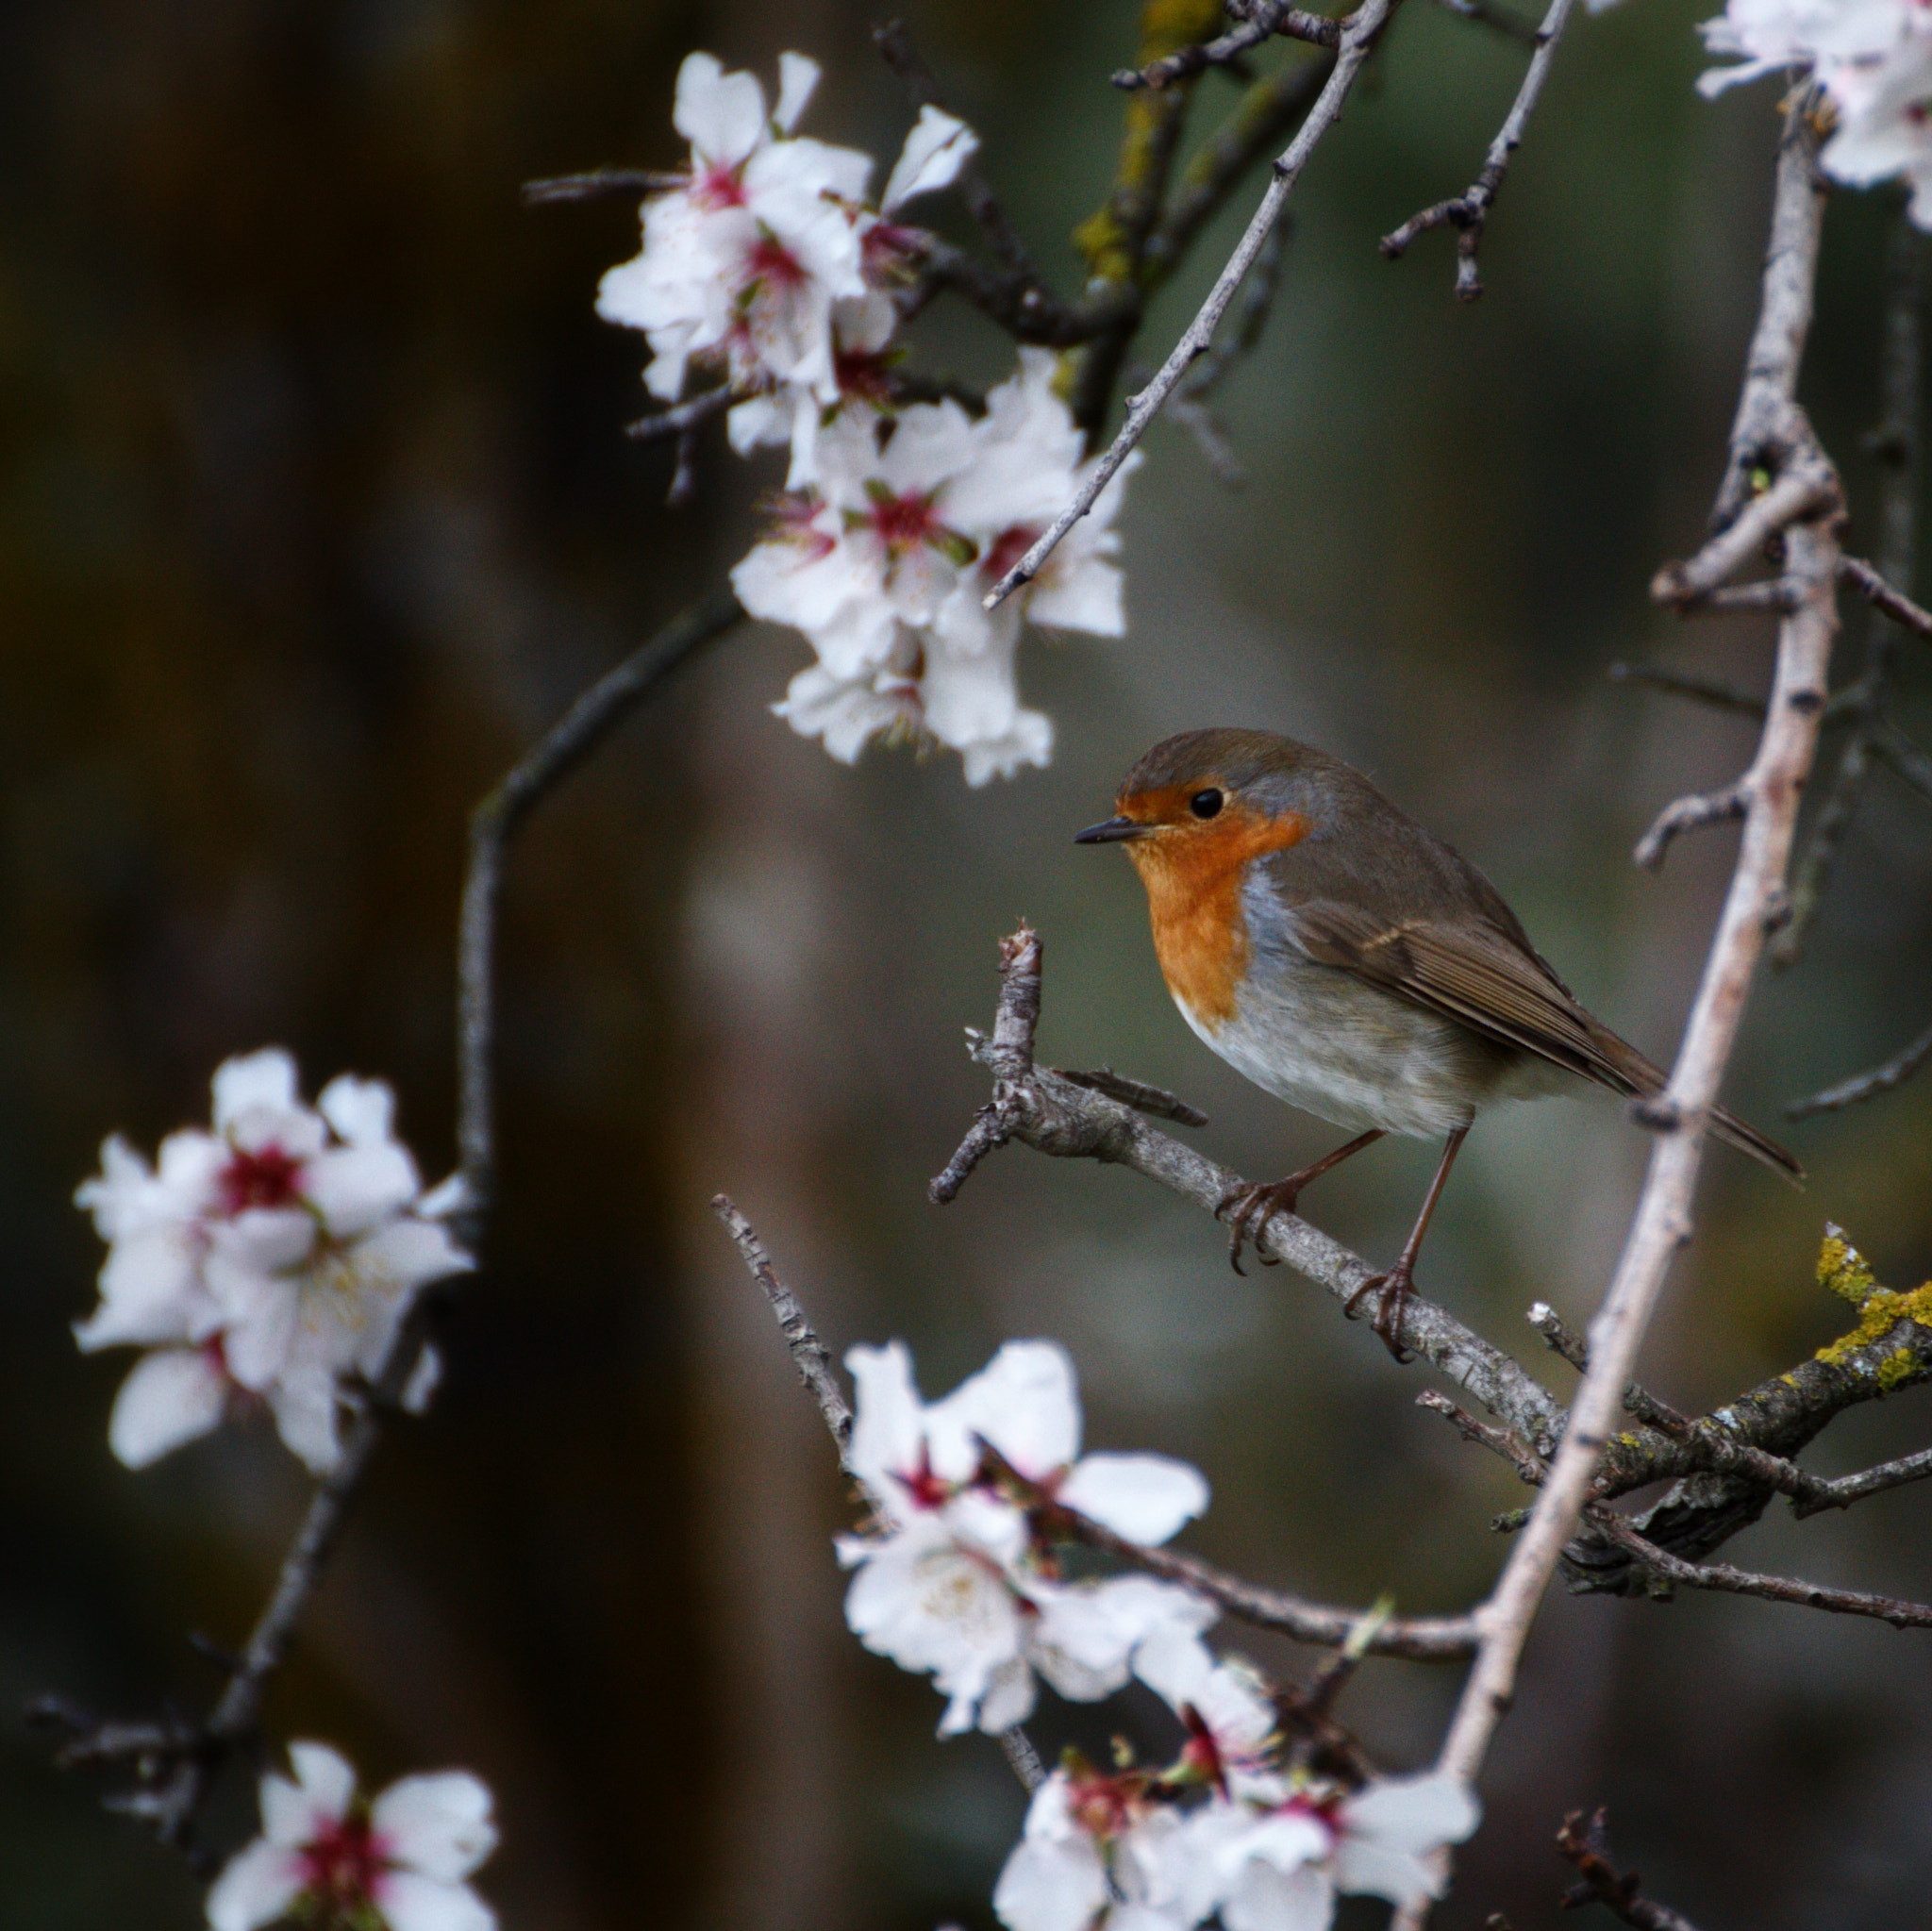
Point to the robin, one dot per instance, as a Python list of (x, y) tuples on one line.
[(1348, 961)]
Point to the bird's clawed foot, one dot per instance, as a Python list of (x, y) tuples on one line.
[(1391, 1290), (1248, 1209)]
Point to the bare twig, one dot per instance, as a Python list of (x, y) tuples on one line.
[(598, 183), (1023, 1758), (1468, 212), (1588, 1847), (1901, 610), (1359, 33), (1270, 18), (1420, 1638), (1896, 440), (1772, 1589), (1155, 1100), (809, 1355), (497, 820), (1560, 1338), (1850, 1489), (1529, 1466), (1662, 1220), (1689, 814), (1683, 684), (1866, 1086), (682, 418), (1902, 756)]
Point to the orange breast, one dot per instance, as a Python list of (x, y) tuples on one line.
[(1194, 880)]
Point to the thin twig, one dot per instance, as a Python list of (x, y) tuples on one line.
[(1849, 1489), (1901, 610), (1689, 814), (1529, 1466), (1270, 18), (598, 183), (1420, 1638), (1662, 1220), (1793, 497), (1588, 1847), (683, 417), (1359, 33), (1469, 212), (1155, 1100), (1866, 1086), (809, 1355), (1683, 684), (1721, 1576)]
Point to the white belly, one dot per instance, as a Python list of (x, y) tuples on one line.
[(1323, 1041)]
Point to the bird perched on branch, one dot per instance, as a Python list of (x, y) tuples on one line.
[(1348, 961)]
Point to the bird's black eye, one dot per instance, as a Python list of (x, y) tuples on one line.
[(1204, 804)]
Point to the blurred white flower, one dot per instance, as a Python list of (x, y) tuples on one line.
[(267, 1258), (1885, 121), (328, 1856), (1100, 1851), (883, 562), (1228, 1711), (952, 1586), (1280, 1868)]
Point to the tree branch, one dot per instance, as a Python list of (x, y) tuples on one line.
[(1866, 1086), (1469, 212), (1271, 18), (1359, 33), (1588, 1847)]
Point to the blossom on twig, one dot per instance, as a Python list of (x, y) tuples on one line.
[(330, 1858), (884, 561), (954, 1583), (270, 1259)]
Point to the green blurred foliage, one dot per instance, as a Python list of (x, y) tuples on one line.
[(314, 508)]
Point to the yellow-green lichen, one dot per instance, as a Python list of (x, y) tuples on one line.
[(1897, 1368), (1882, 1309), (1842, 1269)]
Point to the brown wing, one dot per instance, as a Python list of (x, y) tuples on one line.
[(1479, 976)]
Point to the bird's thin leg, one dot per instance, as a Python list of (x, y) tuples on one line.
[(1395, 1285), (1249, 1209)]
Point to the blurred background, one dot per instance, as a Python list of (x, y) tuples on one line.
[(315, 509)]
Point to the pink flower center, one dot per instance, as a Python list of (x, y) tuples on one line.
[(1006, 549), (1105, 1807), (885, 249), (771, 263), (1202, 1751), (267, 1178), (863, 373), (344, 1863), (718, 187), (923, 1489), (1327, 1814), (902, 522)]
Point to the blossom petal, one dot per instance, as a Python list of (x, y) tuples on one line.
[(438, 1824), (410, 1902), (1144, 1497), (362, 1112), (1022, 1401), (170, 1398), (936, 149), (797, 77), (722, 115), (257, 1886), (1417, 1813), (326, 1778), (354, 1188), (303, 1401), (1053, 1880), (1264, 1898), (264, 1080)]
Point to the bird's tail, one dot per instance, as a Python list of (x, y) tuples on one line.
[(1632, 1074)]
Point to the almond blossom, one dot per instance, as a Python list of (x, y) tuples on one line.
[(1100, 1850), (264, 1262), (745, 261), (1279, 1868), (952, 1585), (883, 564), (328, 1856), (1227, 1709), (1873, 60)]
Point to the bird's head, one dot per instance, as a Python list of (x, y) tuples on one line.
[(1207, 801)]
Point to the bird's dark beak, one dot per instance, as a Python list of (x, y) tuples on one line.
[(1112, 832)]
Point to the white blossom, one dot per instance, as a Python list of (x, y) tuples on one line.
[(264, 1261), (883, 564), (952, 1586), (1098, 1851), (399, 1862), (1279, 1868), (1227, 1708)]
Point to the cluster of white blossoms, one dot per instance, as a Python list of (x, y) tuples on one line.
[(957, 1579), (270, 1260), (327, 1856), (1872, 59), (766, 268)]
